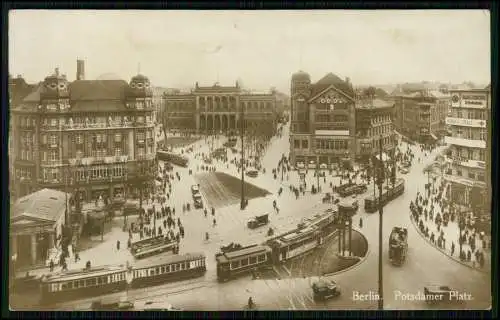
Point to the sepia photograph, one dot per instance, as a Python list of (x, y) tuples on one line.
[(244, 160)]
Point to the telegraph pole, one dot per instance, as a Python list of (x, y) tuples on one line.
[(380, 181), (242, 133)]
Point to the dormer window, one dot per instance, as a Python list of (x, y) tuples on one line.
[(52, 85), (62, 86), (140, 85), (132, 85)]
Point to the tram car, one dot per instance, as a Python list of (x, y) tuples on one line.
[(295, 243), (95, 281), (371, 202), (168, 268), (240, 261), (75, 284), (150, 247)]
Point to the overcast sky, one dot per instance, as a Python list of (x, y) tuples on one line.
[(262, 48)]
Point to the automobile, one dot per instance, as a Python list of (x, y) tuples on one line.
[(252, 173), (438, 293), (312, 164), (198, 203), (123, 304), (159, 306), (300, 165), (323, 166), (325, 289), (404, 170), (195, 189)]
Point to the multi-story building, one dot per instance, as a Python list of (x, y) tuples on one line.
[(94, 136), (218, 108), (374, 121), (468, 162), (322, 120), (421, 115)]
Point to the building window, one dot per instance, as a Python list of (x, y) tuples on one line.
[(79, 139), (53, 122), (459, 172), (482, 135), (79, 154), (305, 144), (118, 137), (53, 155), (140, 151), (140, 136), (296, 144), (482, 155), (480, 177), (459, 132), (471, 175), (53, 139), (118, 151)]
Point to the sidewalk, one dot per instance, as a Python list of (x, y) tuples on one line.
[(451, 235)]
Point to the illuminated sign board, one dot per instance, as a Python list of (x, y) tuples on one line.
[(469, 100), (475, 123)]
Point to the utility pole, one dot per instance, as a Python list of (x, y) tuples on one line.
[(380, 181), (242, 132)]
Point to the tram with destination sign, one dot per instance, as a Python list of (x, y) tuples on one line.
[(295, 243), (241, 260), (390, 193), (94, 281)]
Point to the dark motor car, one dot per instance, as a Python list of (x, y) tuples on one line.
[(325, 289)]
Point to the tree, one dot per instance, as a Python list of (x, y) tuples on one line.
[(369, 92)]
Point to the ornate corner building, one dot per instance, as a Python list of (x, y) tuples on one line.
[(468, 162), (218, 108), (322, 120), (94, 137)]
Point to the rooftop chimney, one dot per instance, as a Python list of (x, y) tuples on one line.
[(80, 69)]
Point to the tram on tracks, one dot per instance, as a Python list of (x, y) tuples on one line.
[(94, 281), (241, 261), (173, 158), (295, 243), (389, 194), (154, 246)]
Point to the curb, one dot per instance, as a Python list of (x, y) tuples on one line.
[(356, 264), (443, 252)]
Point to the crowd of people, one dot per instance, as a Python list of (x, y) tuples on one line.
[(433, 213)]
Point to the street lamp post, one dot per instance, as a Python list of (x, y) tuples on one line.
[(242, 132), (380, 181)]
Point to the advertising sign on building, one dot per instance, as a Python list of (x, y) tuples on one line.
[(469, 100), (475, 123)]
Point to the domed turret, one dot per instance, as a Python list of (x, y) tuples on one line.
[(140, 86), (301, 76), (55, 86)]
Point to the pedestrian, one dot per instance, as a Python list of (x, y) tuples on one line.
[(215, 222), (118, 245), (51, 265)]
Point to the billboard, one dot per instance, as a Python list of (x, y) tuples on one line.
[(469, 100)]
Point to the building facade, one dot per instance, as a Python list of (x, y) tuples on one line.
[(219, 109), (374, 121), (322, 120), (421, 115), (36, 221), (93, 136), (468, 161)]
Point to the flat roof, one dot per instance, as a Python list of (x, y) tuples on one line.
[(245, 251)]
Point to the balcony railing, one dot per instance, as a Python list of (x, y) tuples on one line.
[(90, 126)]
